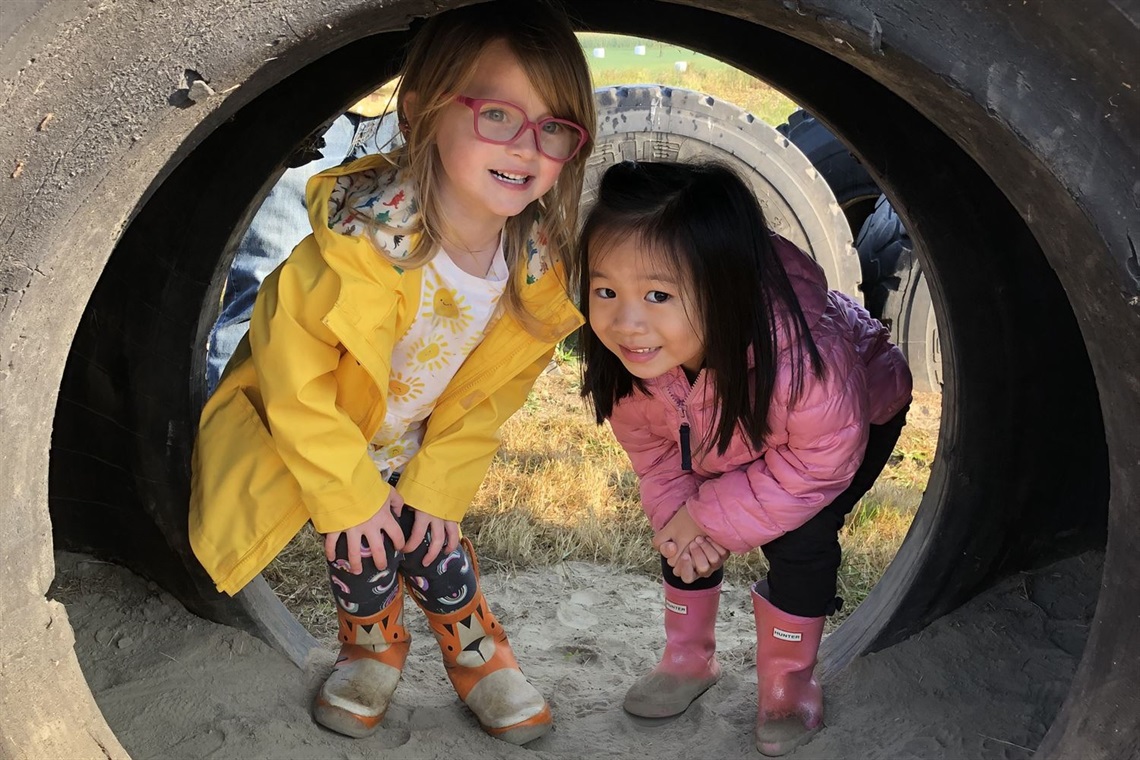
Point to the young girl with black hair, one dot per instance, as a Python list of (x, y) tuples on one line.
[(756, 407), (392, 344)]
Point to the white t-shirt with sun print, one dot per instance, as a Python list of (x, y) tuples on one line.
[(455, 311)]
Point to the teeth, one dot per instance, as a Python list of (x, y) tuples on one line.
[(641, 350), (517, 179)]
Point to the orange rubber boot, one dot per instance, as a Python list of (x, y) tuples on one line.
[(356, 694), (688, 666), (485, 673), (790, 700)]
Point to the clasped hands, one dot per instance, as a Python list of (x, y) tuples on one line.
[(684, 545), (444, 535)]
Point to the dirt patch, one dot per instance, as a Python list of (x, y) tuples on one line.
[(982, 682)]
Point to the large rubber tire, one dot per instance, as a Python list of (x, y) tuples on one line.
[(896, 293), (131, 186), (657, 123), (854, 188), (910, 311), (892, 283)]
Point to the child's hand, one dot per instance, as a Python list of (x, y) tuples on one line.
[(681, 530), (700, 559), (373, 529), (438, 530)]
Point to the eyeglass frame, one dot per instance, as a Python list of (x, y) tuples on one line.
[(476, 103)]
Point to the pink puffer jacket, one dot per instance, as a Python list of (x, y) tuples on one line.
[(746, 498)]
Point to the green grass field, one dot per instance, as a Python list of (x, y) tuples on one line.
[(658, 55), (703, 74)]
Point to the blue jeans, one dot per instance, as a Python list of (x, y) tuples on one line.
[(279, 225)]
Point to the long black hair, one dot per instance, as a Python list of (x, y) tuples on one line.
[(707, 225)]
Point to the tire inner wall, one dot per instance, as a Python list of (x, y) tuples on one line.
[(1113, 350), (124, 369)]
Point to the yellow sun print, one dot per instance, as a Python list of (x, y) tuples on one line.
[(447, 307), (445, 304), (387, 432), (404, 388), (431, 352), (471, 344)]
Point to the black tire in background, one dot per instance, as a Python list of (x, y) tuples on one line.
[(892, 282), (1041, 154), (896, 293), (854, 188), (910, 311)]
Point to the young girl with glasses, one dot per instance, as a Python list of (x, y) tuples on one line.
[(388, 349), (756, 407)]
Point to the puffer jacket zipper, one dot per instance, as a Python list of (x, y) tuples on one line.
[(685, 431)]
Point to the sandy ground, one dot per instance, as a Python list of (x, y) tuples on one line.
[(982, 682)]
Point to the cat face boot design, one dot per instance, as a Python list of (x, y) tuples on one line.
[(789, 700), (688, 667), (483, 669), (356, 694)]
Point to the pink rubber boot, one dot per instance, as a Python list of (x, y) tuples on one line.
[(790, 700), (688, 667)]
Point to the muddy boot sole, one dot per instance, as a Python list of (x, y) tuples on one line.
[(663, 696), (527, 731), (343, 722), (779, 737)]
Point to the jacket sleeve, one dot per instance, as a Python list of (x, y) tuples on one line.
[(295, 356), (442, 477), (657, 461), (826, 438), (889, 381)]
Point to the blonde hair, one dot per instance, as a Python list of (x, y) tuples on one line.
[(440, 62)]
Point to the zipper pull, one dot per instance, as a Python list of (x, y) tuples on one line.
[(686, 453)]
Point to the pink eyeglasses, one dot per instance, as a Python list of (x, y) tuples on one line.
[(501, 123)]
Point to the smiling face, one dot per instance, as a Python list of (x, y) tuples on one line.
[(481, 183), (641, 312)]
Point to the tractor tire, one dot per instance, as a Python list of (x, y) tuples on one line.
[(138, 134), (896, 293), (910, 314), (658, 123), (854, 188)]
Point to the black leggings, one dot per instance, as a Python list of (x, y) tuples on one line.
[(444, 586), (802, 563)]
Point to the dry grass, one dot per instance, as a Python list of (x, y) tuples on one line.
[(561, 489)]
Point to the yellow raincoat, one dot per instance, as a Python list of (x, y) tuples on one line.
[(284, 439)]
